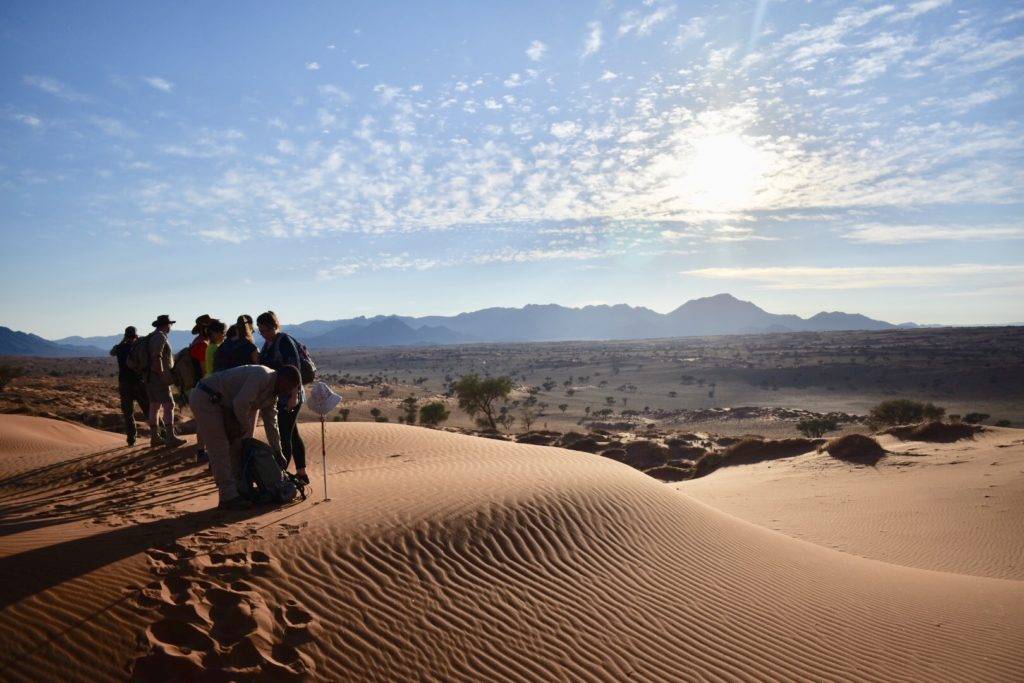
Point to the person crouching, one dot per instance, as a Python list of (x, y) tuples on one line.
[(227, 400)]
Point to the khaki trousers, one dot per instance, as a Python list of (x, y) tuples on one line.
[(224, 458)]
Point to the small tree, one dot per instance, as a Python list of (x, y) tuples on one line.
[(344, 414), (434, 413), (478, 397), (563, 406), (375, 413), (814, 427), (409, 407), (976, 418), (8, 373), (527, 416)]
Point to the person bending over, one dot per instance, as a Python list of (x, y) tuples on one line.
[(226, 400)]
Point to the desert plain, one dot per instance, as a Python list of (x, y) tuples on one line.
[(446, 554)]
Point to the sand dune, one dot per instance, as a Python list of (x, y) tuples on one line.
[(449, 557), (956, 507)]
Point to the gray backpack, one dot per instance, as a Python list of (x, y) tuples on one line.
[(263, 480)]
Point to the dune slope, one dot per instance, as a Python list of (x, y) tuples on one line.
[(956, 507), (449, 557)]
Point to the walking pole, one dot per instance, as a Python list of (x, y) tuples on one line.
[(322, 400), (323, 449)]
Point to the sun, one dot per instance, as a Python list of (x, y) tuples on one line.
[(722, 172)]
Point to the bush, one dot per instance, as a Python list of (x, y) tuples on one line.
[(8, 373), (477, 397), (855, 448), (935, 432), (434, 413), (813, 427), (902, 411), (975, 418), (1002, 423), (751, 451)]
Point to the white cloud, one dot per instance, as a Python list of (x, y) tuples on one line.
[(642, 24), (905, 234), (29, 120), (158, 83), (918, 8), (56, 88), (313, 66), (286, 147), (112, 127), (491, 103), (594, 35), (565, 129), (731, 233), (692, 30), (223, 235), (154, 238), (863, 277), (536, 51), (609, 76)]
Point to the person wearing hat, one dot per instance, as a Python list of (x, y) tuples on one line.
[(197, 352), (130, 388), (226, 401), (158, 384)]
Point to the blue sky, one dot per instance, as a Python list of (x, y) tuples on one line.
[(327, 160)]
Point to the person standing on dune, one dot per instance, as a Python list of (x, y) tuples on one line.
[(158, 384), (226, 401), (130, 388), (197, 353), (280, 350)]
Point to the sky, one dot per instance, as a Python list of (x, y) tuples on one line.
[(329, 160)]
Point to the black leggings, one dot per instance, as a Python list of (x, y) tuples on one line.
[(291, 442)]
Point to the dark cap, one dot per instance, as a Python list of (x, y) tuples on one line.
[(162, 320), (290, 375), (201, 322), (130, 331)]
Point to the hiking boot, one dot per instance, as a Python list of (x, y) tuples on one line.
[(156, 442), (131, 441), (174, 441), (202, 457), (234, 504)]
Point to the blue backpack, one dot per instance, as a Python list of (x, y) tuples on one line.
[(263, 479)]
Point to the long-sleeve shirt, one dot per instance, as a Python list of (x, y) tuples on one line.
[(248, 391), (160, 359)]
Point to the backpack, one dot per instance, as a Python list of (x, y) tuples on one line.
[(307, 368), (185, 370), (263, 480), (138, 356)]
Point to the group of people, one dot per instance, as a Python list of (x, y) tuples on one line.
[(238, 383)]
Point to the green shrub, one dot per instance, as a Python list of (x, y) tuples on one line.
[(434, 413), (902, 411), (814, 427)]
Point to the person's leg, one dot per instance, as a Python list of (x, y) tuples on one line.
[(286, 425), (210, 423), (128, 412), (170, 437), (154, 415), (298, 446)]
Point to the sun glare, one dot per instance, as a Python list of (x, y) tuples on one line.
[(723, 172)]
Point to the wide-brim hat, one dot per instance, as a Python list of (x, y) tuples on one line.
[(163, 320), (201, 322)]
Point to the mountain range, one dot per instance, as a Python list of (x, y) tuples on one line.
[(714, 315)]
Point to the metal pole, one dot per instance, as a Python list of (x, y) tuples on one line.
[(323, 449)]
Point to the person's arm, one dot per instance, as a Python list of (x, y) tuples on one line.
[(255, 356), (290, 352), (113, 351), (211, 351), (244, 406), (269, 415)]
